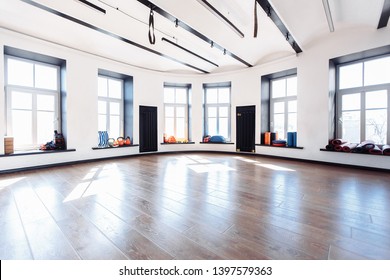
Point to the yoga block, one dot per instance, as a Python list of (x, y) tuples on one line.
[(8, 145)]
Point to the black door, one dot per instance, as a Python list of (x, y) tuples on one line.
[(147, 129), (246, 128)]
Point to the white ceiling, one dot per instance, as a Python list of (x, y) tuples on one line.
[(128, 19)]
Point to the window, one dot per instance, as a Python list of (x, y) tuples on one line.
[(33, 101), (217, 110), (110, 106), (283, 105), (176, 112), (363, 96)]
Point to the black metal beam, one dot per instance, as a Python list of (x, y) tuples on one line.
[(278, 22), (384, 19), (113, 35), (214, 10), (187, 50), (93, 6), (188, 28)]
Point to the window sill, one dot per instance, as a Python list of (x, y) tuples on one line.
[(223, 143), (341, 152), (284, 147), (37, 152), (177, 143), (106, 148)]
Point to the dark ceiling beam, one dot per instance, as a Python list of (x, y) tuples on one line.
[(225, 20), (269, 10), (93, 6), (384, 19), (188, 28), (113, 35)]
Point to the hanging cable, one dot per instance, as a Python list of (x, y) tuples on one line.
[(256, 24), (152, 37)]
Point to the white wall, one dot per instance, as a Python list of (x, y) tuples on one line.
[(82, 69)]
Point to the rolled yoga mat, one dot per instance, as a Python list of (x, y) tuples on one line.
[(365, 146), (375, 151), (386, 150), (338, 142), (349, 147)]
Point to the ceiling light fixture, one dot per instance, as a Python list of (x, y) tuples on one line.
[(217, 13), (328, 15)]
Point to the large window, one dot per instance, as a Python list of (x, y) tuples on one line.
[(110, 106), (217, 110), (176, 112), (33, 99), (283, 105), (363, 97)]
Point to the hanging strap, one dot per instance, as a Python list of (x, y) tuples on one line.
[(152, 37), (256, 24)]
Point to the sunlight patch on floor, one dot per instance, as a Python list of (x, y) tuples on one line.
[(8, 182), (206, 168)]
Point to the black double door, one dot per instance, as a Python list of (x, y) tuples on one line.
[(147, 129), (245, 128)]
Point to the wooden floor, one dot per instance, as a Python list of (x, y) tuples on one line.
[(195, 206)]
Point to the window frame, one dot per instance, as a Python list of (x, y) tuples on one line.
[(110, 100), (175, 105), (217, 106), (285, 99), (34, 91), (362, 90)]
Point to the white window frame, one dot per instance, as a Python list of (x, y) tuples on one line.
[(362, 90), (208, 105), (285, 99), (175, 106), (10, 88), (110, 100)]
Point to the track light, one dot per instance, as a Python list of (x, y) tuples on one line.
[(176, 23), (212, 44), (224, 51), (328, 15)]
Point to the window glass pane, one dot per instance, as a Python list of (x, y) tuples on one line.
[(279, 125), (169, 111), (224, 95), (292, 106), (212, 112), (279, 107), (351, 126), (223, 112), (180, 128), (212, 126), (45, 102), (169, 126), (169, 95), (114, 88), (114, 127), (45, 127), (46, 77), (102, 125), (376, 125), (21, 100), (102, 107), (224, 127), (278, 88), (212, 95), (292, 86), (377, 71), (181, 95), (292, 122), (376, 99), (180, 112), (22, 127), (102, 86), (351, 76), (114, 108), (20, 72), (351, 102)]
